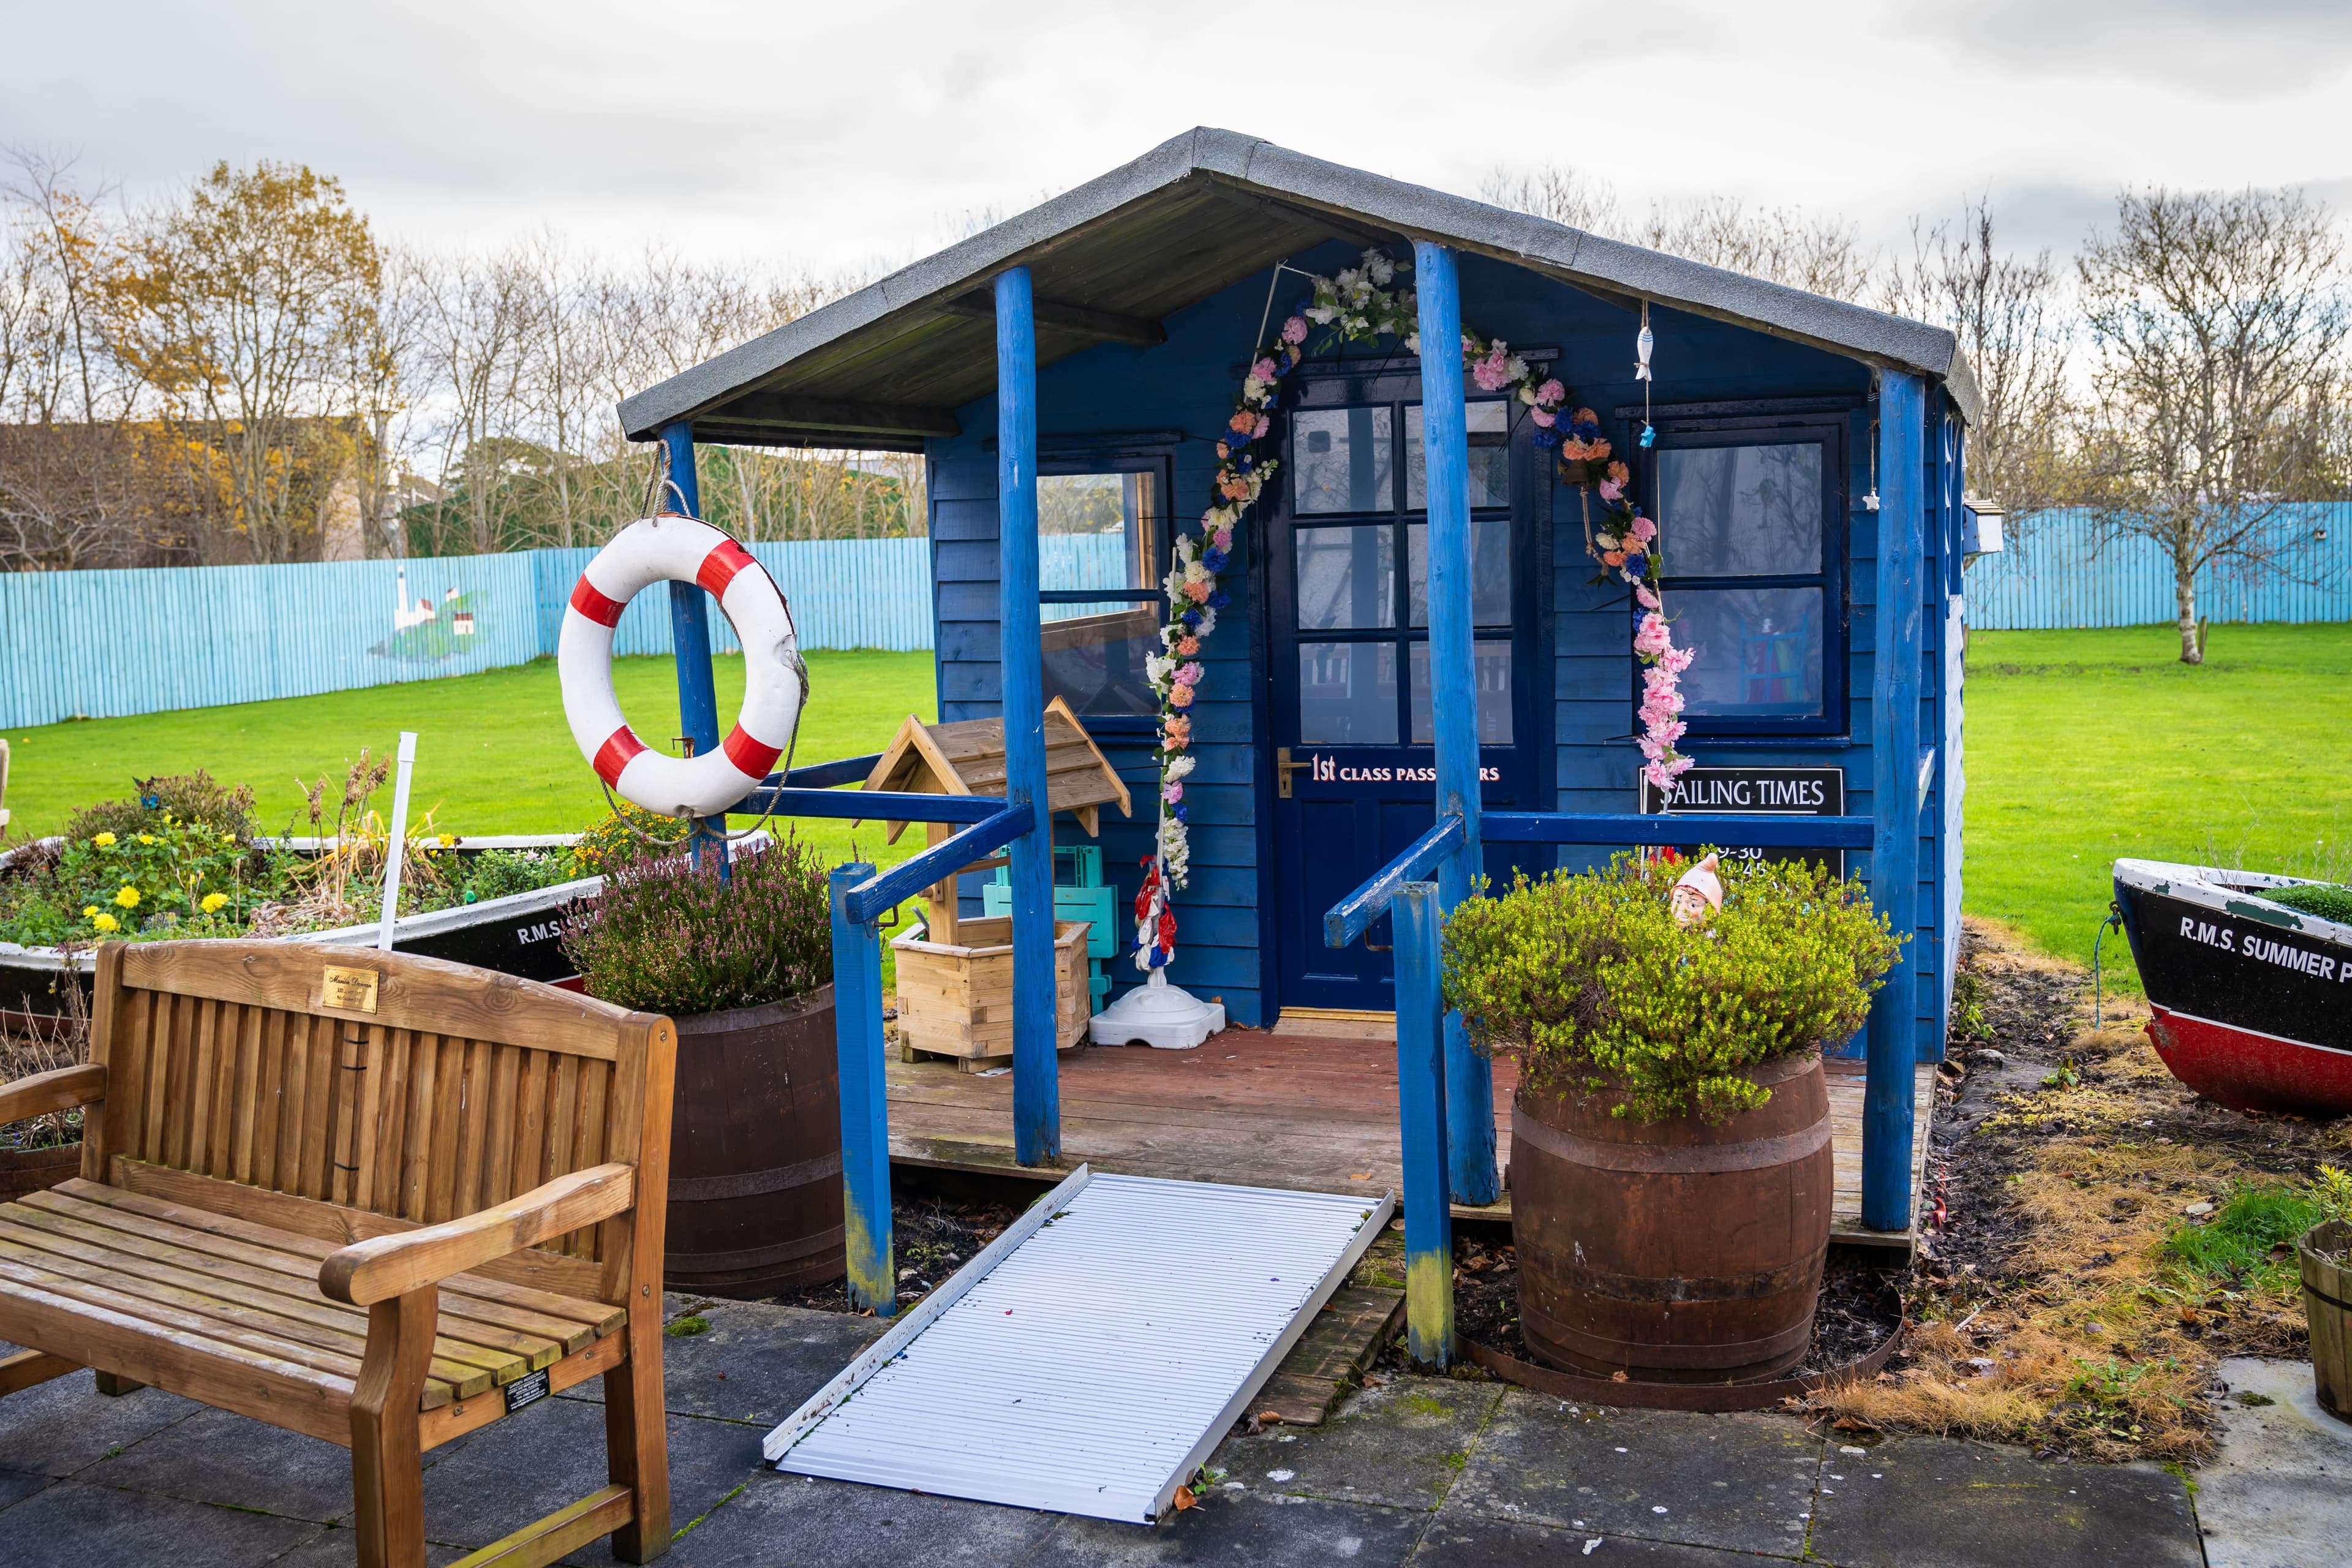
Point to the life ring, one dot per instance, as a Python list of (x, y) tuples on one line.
[(679, 549)]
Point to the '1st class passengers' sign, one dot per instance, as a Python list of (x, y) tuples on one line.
[(1757, 792)]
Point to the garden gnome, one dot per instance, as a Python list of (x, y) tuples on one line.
[(1698, 894)]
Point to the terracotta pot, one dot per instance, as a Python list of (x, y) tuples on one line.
[(755, 1151), (1673, 1251), (24, 1170)]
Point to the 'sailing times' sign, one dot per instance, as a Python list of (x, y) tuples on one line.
[(1757, 792)]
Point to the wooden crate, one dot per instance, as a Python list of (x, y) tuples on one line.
[(955, 999)]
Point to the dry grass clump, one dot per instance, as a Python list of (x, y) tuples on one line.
[(2067, 1304)]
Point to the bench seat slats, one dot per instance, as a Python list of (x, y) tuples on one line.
[(259, 1287)]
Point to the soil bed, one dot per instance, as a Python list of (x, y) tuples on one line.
[(931, 1238)]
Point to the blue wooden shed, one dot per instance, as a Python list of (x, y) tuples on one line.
[(1404, 578)]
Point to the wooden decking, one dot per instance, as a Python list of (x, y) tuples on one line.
[(1314, 1112)]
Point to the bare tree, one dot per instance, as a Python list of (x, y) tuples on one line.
[(1557, 195), (2219, 324), (1786, 245), (2012, 326), (479, 314)]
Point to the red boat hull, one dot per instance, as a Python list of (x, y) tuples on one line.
[(2247, 1071)]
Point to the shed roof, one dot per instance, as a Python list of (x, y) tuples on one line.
[(886, 367)]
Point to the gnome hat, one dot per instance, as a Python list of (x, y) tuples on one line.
[(1704, 883)]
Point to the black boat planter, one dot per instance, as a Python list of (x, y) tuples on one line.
[(2252, 1000), (513, 935)]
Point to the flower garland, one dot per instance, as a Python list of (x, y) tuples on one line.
[(1359, 305)]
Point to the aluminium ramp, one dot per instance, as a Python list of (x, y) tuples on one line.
[(1094, 1354)]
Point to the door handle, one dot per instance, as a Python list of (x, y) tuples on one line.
[(1284, 767)]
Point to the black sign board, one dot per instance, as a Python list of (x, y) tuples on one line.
[(528, 1389), (1757, 792)]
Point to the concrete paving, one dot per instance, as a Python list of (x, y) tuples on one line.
[(2280, 1493), (1420, 1470)]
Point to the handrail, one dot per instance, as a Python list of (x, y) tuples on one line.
[(1628, 828), (865, 902), (1348, 919), (824, 775), (878, 805)]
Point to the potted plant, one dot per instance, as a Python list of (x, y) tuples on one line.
[(742, 961), (2325, 1253), (1671, 1170)]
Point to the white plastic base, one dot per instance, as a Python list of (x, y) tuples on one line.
[(1166, 1017)]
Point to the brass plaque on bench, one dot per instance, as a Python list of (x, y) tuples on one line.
[(352, 990)]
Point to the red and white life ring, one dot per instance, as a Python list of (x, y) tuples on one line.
[(680, 549)]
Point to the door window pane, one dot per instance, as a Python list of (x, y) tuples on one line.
[(1344, 458), (1347, 693), (1741, 511), (1346, 577), (1490, 571), (1490, 455), (1493, 665), (1757, 650)]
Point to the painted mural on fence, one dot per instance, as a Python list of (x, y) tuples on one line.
[(431, 632)]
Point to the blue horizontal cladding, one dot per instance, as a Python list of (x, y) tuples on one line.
[(2057, 572), (106, 644)]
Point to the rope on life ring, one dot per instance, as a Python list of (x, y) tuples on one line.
[(669, 547)]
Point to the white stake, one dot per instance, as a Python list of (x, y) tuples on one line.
[(399, 839)]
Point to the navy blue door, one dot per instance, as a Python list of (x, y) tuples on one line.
[(1349, 665)]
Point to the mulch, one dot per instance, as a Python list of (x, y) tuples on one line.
[(931, 1238)]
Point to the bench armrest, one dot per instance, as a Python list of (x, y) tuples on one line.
[(47, 1092), (387, 1265)]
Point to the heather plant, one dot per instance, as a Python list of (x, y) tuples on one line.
[(1588, 982), (668, 935)]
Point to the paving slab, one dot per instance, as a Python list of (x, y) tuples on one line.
[(1403, 1445), (754, 1362), (70, 1525), (59, 1427), (1246, 1529), (1740, 1482), (784, 1522), (538, 1459), (1461, 1541), (2280, 1493), (15, 1485), (213, 1456), (1934, 1503)]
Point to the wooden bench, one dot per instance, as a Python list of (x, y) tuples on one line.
[(383, 1200)]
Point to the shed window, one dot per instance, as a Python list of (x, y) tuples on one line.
[(1753, 574), (1101, 554)]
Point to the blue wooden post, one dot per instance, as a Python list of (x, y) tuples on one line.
[(689, 628), (1036, 1086), (1453, 689), (865, 1112), (1894, 801), (1420, 1108)]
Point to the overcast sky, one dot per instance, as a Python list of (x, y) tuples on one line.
[(846, 135)]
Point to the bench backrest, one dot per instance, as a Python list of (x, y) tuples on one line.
[(383, 1083)]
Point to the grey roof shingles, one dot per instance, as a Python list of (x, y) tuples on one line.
[(1249, 163)]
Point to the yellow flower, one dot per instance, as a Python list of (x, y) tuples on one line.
[(88, 910), (213, 901), (105, 922), (146, 838), (449, 839), (228, 838), (128, 898), (104, 841)]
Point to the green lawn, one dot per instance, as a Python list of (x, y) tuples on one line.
[(493, 755), (2087, 747)]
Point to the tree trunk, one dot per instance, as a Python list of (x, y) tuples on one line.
[(2184, 594)]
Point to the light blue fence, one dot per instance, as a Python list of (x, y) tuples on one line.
[(2051, 578), (107, 643)]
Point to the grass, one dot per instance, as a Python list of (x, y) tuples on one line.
[(493, 753), (2085, 747)]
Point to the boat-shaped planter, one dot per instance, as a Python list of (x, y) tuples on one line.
[(2252, 1000), (513, 935)]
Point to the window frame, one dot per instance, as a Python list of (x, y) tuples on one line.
[(1059, 459), (1761, 426)]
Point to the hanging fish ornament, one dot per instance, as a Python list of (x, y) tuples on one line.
[(1642, 343)]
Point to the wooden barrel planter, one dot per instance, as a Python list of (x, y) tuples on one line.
[(2326, 1255), (28, 1171), (755, 1151), (1675, 1251)]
